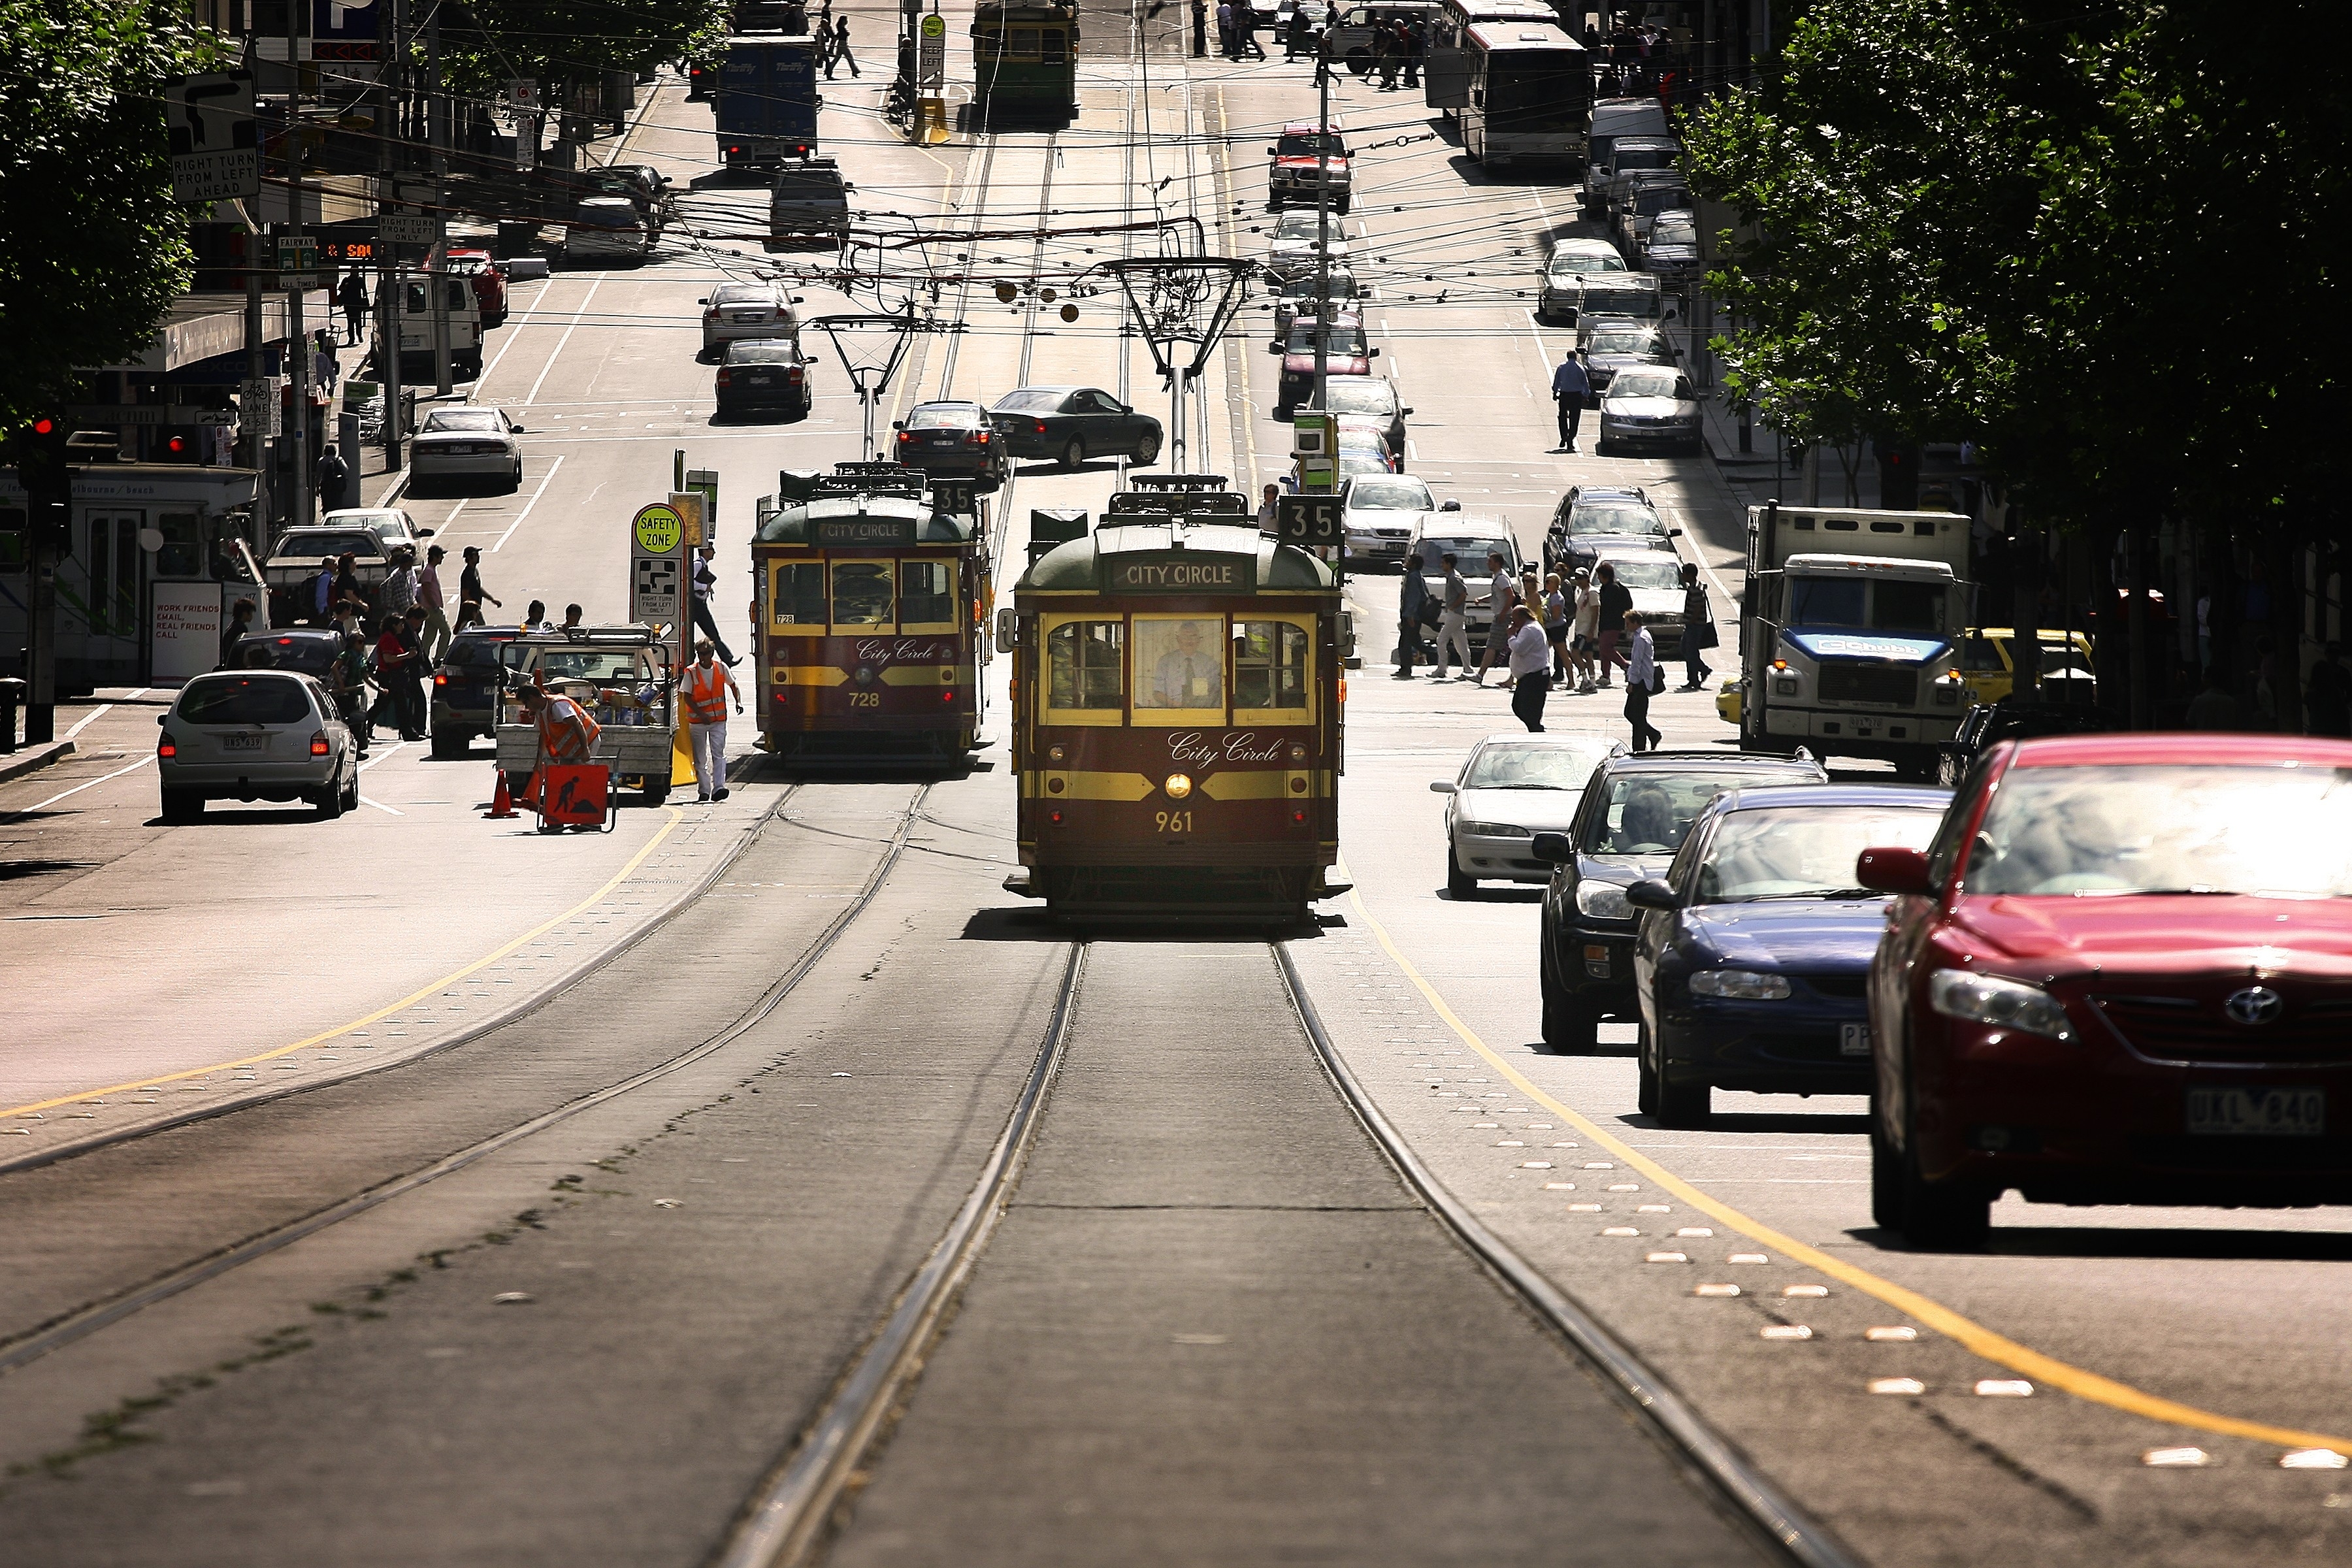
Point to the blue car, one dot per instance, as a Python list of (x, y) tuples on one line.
[(1751, 952)]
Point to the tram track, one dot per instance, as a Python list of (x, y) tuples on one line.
[(804, 1503), (94, 1315)]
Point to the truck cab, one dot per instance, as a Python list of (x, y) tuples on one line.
[(1850, 632)]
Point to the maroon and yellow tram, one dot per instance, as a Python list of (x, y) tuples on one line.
[(870, 608), (1177, 702)]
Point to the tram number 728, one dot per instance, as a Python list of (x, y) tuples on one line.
[(1172, 821)]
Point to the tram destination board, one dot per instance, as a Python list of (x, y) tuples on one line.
[(1180, 571), (1306, 520), (861, 531)]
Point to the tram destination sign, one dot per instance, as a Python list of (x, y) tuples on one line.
[(1179, 572), (860, 532)]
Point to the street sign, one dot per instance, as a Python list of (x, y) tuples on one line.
[(215, 151), (409, 229), (657, 565), (257, 405), (932, 51), (706, 481), (1306, 520), (688, 505)]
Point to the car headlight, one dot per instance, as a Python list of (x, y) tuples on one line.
[(2005, 1003), (1739, 985), (1492, 829), (1603, 901)]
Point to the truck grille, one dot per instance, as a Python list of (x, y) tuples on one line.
[(1869, 683)]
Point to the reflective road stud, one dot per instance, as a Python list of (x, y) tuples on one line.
[(1897, 1385), (1786, 1331), (1891, 1335), (2313, 1460), (1715, 1290), (2176, 1458), (2003, 1388)]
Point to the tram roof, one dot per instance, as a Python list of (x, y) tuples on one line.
[(1209, 557), (899, 519)]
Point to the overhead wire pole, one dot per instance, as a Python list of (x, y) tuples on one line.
[(1174, 292), (298, 357), (871, 379), (1322, 217)]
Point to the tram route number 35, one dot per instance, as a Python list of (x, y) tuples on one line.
[(1306, 520), (1172, 821)]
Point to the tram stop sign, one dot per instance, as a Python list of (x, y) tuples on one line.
[(1306, 520), (657, 565), (931, 50)]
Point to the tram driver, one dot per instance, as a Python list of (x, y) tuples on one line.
[(1191, 674)]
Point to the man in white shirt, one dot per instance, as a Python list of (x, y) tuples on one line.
[(1641, 679), (1530, 655), (1502, 593)]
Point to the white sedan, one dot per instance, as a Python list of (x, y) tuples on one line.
[(467, 444), (1291, 250), (1377, 514), (1513, 786)]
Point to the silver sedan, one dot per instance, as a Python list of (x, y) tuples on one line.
[(1650, 406), (467, 444), (256, 734), (1512, 786)]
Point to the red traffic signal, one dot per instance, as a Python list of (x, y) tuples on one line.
[(43, 425)]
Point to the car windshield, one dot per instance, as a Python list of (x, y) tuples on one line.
[(1644, 383), (2088, 831), (1390, 494), (1519, 766), (937, 417), (471, 650), (244, 699), (1342, 286), (1024, 402), (1306, 146), (1884, 606), (1566, 262), (815, 184), (1651, 814), (1661, 572), (1298, 223), (1664, 234), (1344, 340), (1469, 554), (313, 546), (1635, 294), (1629, 159), (1360, 397), (1623, 344), (312, 655), (1619, 518), (1790, 852), (593, 664), (1666, 198), (461, 419)]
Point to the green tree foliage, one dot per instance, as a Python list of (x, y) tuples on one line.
[(96, 249), (492, 41), (2093, 243)]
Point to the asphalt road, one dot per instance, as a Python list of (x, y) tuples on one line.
[(1213, 1326)]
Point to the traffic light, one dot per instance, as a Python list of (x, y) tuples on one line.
[(37, 451)]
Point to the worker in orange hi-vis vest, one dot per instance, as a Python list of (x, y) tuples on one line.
[(566, 733), (707, 687)]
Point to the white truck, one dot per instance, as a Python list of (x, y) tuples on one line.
[(1848, 633)]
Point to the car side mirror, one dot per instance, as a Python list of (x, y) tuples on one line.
[(898, 424), (426, 532), (1274, 348), (161, 717), (704, 300), (1673, 533), (1671, 314), (1443, 787), (1650, 894), (1375, 353), (1269, 153), (1006, 628), (520, 430), (1404, 411), (1894, 871), (796, 300), (1552, 848)]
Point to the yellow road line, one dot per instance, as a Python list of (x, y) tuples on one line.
[(591, 901), (1972, 1335)]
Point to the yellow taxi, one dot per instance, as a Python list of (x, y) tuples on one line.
[(1989, 661)]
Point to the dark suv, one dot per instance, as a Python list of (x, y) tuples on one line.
[(1635, 812), (466, 688)]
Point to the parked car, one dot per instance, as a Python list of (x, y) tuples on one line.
[(1634, 296), (1469, 536), (1345, 353), (733, 311), (1304, 160), (1635, 812), (1571, 261), (1751, 952), (392, 525), (606, 229), (1650, 406), (468, 443), (1639, 206), (1368, 442), (255, 734), (1989, 663), (1370, 401), (764, 373), (1590, 519), (642, 186), (1611, 343), (2117, 976), (1353, 461), (1655, 579), (1377, 514), (1671, 249), (1627, 156), (1073, 424), (480, 268), (466, 687), (302, 649), (1291, 250), (952, 437), (1291, 295), (808, 204), (1512, 786)]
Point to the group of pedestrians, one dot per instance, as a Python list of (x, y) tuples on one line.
[(1581, 629)]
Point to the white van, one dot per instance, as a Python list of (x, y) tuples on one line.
[(608, 228), (464, 311), (1616, 117)]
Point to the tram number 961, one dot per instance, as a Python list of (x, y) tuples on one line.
[(1172, 821)]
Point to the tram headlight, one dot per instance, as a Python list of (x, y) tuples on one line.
[(1057, 752), (1297, 752), (1178, 786)]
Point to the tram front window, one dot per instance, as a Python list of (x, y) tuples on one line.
[(800, 594), (861, 594), (1186, 666), (1269, 665), (927, 596), (1083, 664), (1052, 49)]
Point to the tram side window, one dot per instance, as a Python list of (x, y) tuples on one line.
[(183, 554), (861, 594), (799, 594), (926, 594), (1270, 665), (1083, 659), (1051, 47)]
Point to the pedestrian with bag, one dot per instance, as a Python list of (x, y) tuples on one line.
[(1387, 58), (1412, 602), (1584, 632), (240, 622), (334, 479), (1570, 390), (706, 691), (393, 659), (399, 590), (1453, 618), (319, 594), (1644, 679), (1616, 603), (1530, 664), (1502, 593), (1698, 630)]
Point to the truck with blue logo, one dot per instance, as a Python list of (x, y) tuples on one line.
[(1849, 632), (766, 101)]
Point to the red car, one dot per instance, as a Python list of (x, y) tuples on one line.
[(2122, 974), (490, 281), (1345, 353), (1306, 160)]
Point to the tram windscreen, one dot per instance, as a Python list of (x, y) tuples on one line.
[(861, 593), (1269, 665), (1179, 663), (1082, 665), (927, 593), (799, 594)]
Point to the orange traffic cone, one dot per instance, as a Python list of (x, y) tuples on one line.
[(501, 804)]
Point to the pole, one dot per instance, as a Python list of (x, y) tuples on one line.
[(436, 111), (387, 287), (1322, 218), (256, 370), (298, 357)]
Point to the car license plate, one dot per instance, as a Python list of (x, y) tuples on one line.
[(243, 742), (1853, 1039), (2258, 1112)]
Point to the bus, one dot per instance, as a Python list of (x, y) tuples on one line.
[(1529, 96), (1445, 67)]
